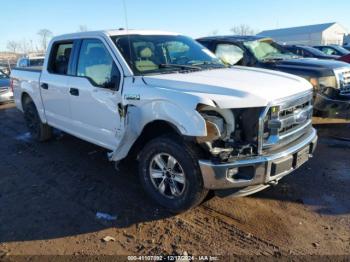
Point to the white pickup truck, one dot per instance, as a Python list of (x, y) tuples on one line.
[(194, 124)]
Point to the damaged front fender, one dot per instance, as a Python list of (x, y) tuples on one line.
[(187, 122)]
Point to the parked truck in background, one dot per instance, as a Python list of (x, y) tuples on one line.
[(330, 79), (30, 61), (194, 124)]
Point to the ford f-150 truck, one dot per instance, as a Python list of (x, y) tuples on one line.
[(193, 124), (330, 79)]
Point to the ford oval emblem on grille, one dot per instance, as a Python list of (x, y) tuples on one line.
[(300, 116)]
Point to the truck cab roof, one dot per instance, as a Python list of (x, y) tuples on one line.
[(113, 32), (233, 38)]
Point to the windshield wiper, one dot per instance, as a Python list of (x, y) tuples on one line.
[(273, 59), (183, 67), (279, 58), (209, 63)]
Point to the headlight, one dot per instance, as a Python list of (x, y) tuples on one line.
[(220, 122), (314, 82), (328, 81)]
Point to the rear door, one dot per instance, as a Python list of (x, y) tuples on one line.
[(54, 86), (95, 94)]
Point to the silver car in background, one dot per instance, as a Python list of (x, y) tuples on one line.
[(6, 94)]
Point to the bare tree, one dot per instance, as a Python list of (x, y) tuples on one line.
[(242, 30), (83, 28), (12, 46), (24, 46), (44, 34), (214, 32)]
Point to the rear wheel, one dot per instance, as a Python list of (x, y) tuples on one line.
[(170, 174), (38, 130)]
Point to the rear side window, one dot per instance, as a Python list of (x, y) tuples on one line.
[(60, 58), (96, 64)]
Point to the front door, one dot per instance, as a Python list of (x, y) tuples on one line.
[(95, 95)]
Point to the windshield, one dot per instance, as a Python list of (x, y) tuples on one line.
[(3, 75), (36, 61), (268, 50), (154, 54), (341, 50), (313, 51)]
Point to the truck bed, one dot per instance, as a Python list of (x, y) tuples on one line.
[(27, 80)]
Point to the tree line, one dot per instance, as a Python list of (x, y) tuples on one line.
[(242, 29), (24, 46)]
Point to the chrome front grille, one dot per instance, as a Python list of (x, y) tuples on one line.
[(285, 120), (344, 81)]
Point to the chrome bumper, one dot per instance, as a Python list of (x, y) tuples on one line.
[(260, 171)]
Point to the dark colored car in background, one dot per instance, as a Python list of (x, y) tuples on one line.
[(308, 51), (347, 46), (333, 50), (330, 78)]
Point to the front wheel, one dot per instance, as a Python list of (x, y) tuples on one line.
[(170, 174)]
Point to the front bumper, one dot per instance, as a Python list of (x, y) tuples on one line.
[(6, 95), (334, 108), (258, 172)]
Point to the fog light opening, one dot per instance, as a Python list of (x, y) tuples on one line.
[(241, 173)]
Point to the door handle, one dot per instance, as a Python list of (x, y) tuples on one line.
[(74, 91), (44, 86)]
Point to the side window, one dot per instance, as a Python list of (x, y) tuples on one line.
[(307, 54), (300, 52), (96, 64), (229, 54), (59, 60)]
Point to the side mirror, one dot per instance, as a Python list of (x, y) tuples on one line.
[(115, 81), (113, 84)]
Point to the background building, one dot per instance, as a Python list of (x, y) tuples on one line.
[(321, 34), (347, 39)]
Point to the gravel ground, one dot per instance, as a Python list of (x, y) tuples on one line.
[(50, 194)]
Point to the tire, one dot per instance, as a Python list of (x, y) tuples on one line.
[(178, 188), (38, 130)]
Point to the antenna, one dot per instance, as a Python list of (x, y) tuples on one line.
[(126, 16), (127, 27)]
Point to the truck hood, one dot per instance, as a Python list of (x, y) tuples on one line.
[(237, 87), (321, 67)]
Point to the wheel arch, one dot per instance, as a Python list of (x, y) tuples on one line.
[(26, 95), (152, 130)]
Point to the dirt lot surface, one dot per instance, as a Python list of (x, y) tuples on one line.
[(50, 194)]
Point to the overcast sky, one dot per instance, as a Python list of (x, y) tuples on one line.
[(21, 20)]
